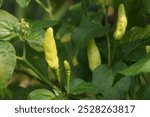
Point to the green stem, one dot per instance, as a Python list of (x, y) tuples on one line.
[(19, 58), (68, 81), (34, 69), (114, 51), (46, 9), (108, 39), (62, 10), (41, 5), (108, 45), (144, 79), (48, 3), (39, 74), (58, 75), (20, 12), (49, 7)]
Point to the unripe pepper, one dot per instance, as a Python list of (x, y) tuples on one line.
[(67, 65), (75, 61), (121, 23), (147, 49), (93, 53), (66, 38), (50, 50), (68, 73)]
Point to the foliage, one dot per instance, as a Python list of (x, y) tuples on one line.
[(124, 72)]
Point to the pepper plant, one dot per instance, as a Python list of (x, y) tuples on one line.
[(75, 49)]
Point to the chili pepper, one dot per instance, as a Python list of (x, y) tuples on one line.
[(75, 61), (121, 23), (93, 53), (147, 49), (66, 38), (68, 73), (50, 50)]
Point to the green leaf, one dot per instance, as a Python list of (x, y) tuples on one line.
[(75, 11), (118, 67), (35, 40), (132, 46), (116, 3), (7, 17), (95, 16), (41, 94), (136, 54), (1, 2), (146, 93), (36, 34), (7, 24), (84, 32), (38, 61), (141, 66), (7, 62), (41, 24), (146, 5), (103, 80), (121, 88), (137, 33), (79, 86), (23, 3)]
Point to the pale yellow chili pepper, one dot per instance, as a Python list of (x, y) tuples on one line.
[(50, 50), (121, 23), (93, 53)]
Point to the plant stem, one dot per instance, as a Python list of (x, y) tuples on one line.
[(46, 9), (109, 55), (49, 7), (114, 51), (39, 74), (62, 10), (48, 3), (23, 58), (36, 71), (20, 12), (58, 75), (19, 58), (68, 81), (108, 39), (41, 5)]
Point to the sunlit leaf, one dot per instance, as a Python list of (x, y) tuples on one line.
[(141, 66), (41, 94), (7, 62), (7, 24)]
